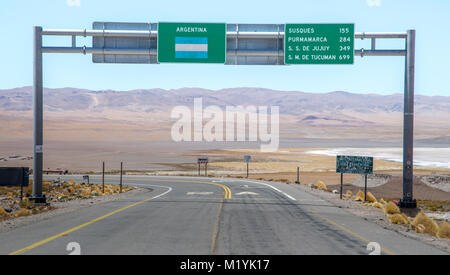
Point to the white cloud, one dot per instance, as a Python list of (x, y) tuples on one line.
[(373, 3), (73, 3)]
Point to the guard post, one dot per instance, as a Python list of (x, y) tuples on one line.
[(247, 160)]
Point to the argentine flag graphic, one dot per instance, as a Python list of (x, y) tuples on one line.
[(191, 47)]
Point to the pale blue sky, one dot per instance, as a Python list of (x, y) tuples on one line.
[(369, 75)]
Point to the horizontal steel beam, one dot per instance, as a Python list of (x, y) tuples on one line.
[(153, 52), (101, 33), (230, 34), (86, 50), (363, 52), (386, 35)]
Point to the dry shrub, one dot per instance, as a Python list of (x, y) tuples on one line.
[(371, 197), (397, 219), (359, 196), (391, 208), (349, 194), (420, 229), (382, 201), (320, 185), (408, 221), (3, 213), (377, 205), (444, 230), (22, 213), (430, 225), (86, 192)]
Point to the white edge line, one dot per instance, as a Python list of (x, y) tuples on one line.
[(274, 188)]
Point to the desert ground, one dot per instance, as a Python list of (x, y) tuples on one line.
[(83, 128)]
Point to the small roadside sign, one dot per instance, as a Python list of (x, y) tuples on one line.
[(247, 158), (14, 176), (202, 160), (354, 165)]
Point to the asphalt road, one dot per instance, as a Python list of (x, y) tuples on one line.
[(208, 216)]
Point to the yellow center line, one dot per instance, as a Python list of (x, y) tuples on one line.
[(349, 231), (21, 251), (227, 195)]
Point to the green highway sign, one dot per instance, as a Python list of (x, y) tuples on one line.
[(354, 165), (319, 43), (192, 42)]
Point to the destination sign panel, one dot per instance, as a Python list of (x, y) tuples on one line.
[(192, 42), (319, 43)]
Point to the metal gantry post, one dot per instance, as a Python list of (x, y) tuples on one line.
[(408, 123), (38, 136)]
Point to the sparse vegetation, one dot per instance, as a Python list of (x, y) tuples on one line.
[(56, 191)]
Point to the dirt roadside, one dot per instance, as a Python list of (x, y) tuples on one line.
[(59, 208), (376, 216)]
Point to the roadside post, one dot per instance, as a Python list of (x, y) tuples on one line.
[(354, 165), (121, 173), (247, 160), (103, 178), (15, 176), (298, 176), (365, 187)]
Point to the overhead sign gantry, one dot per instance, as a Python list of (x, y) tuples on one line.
[(244, 44)]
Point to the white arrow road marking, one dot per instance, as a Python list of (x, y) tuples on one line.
[(247, 193), (199, 193), (274, 188)]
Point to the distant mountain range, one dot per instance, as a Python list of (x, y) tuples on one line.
[(313, 106)]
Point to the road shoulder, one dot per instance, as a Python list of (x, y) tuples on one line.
[(61, 208), (376, 216)]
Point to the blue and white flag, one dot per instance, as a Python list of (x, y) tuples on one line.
[(191, 47)]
